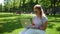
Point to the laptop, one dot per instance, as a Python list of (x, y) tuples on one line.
[(25, 22)]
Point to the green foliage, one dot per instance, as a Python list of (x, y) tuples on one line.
[(0, 7), (27, 5)]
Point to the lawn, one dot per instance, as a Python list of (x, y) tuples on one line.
[(11, 24)]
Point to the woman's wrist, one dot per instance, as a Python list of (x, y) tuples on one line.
[(41, 28)]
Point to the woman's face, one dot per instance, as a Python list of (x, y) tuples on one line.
[(37, 12)]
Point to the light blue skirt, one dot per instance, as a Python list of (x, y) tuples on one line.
[(33, 31)]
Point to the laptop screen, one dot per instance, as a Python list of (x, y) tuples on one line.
[(25, 22)]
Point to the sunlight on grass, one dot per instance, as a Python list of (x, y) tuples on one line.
[(6, 13), (12, 24), (51, 31), (9, 17)]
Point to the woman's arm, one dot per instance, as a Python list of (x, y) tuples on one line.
[(33, 22), (43, 26), (33, 25)]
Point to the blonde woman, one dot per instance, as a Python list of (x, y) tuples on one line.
[(39, 22)]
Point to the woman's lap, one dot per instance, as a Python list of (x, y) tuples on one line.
[(34, 31)]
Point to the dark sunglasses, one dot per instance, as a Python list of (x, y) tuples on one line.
[(36, 11)]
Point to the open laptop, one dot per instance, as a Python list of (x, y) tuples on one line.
[(25, 22)]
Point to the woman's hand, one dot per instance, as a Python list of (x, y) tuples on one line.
[(33, 26)]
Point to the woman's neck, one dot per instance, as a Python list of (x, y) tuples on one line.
[(39, 16)]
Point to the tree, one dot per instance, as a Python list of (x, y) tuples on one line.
[(0, 7), (23, 5), (36, 1), (8, 4), (54, 5), (5, 5), (28, 4)]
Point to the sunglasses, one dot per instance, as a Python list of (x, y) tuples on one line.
[(36, 11)]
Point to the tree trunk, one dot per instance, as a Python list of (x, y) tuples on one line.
[(51, 7), (23, 5), (54, 7)]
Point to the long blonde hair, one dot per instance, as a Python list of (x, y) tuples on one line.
[(40, 8)]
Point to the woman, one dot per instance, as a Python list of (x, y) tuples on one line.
[(39, 22)]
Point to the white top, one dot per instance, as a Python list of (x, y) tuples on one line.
[(38, 21)]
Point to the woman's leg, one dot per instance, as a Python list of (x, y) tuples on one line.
[(23, 31), (30, 31), (43, 32), (34, 31), (40, 32)]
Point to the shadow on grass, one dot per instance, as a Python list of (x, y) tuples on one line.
[(53, 15), (50, 25), (10, 25), (54, 21), (58, 29)]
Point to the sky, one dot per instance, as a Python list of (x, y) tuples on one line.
[(2, 1)]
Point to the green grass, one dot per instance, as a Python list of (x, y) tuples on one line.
[(10, 23)]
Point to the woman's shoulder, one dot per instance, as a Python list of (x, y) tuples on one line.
[(44, 18), (34, 17)]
